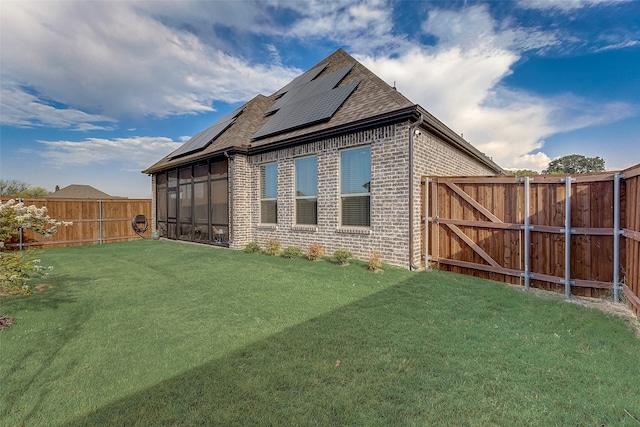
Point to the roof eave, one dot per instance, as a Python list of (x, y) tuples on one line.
[(436, 126), (388, 118), (189, 159), (411, 113)]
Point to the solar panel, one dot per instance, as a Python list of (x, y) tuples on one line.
[(310, 110), (232, 115), (303, 78), (284, 100), (200, 140), (187, 146), (314, 87)]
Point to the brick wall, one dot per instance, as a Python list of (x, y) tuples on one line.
[(389, 231), (154, 215), (241, 193), (434, 157)]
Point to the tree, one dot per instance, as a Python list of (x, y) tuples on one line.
[(33, 193), (15, 188), (11, 187), (522, 172), (575, 163)]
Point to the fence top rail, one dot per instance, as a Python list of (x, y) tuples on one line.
[(631, 172), (58, 199), (538, 179), (476, 179)]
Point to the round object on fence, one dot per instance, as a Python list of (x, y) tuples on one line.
[(140, 224)]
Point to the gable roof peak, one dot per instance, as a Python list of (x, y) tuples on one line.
[(338, 94)]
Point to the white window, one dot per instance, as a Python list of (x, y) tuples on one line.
[(306, 190), (269, 193), (355, 187)]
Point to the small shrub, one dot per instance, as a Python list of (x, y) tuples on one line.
[(291, 252), (17, 268), (272, 247), (315, 252), (375, 262), (342, 256), (252, 248)]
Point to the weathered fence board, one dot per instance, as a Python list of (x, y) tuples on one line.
[(94, 221), (631, 234), (475, 226)]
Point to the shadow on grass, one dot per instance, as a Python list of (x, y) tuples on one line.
[(47, 296), (398, 357), (47, 300)]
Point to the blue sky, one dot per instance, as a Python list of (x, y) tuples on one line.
[(93, 92)]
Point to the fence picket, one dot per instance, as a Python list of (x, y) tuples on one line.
[(476, 227), (115, 222)]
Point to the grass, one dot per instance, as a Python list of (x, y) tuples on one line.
[(160, 333)]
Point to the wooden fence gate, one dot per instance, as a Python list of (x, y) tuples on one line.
[(579, 234)]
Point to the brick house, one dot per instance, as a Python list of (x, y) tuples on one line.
[(334, 157)]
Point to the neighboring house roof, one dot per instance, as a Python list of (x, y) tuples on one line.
[(76, 191), (337, 96)]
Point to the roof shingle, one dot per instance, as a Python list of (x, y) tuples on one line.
[(372, 100)]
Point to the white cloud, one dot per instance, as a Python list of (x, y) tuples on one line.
[(114, 59), (166, 58), (537, 162), (474, 28), (619, 45), (362, 26), (570, 112), (275, 55), (459, 82), (133, 153), (565, 5), (23, 109)]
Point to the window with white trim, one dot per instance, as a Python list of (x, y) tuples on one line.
[(355, 187), (269, 193), (306, 187)]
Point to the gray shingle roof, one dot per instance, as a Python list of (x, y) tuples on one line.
[(78, 191), (372, 100)]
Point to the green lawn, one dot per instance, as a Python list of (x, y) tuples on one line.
[(162, 333)]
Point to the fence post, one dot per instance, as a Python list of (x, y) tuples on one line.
[(567, 238), (425, 221), (436, 216), (20, 229), (616, 237), (527, 232), (100, 220)]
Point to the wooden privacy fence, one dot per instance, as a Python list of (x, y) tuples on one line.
[(527, 231), (95, 221)]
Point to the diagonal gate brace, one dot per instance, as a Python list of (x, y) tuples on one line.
[(477, 249)]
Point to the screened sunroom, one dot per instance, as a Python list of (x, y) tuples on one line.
[(192, 202)]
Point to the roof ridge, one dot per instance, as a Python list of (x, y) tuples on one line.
[(370, 101)]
